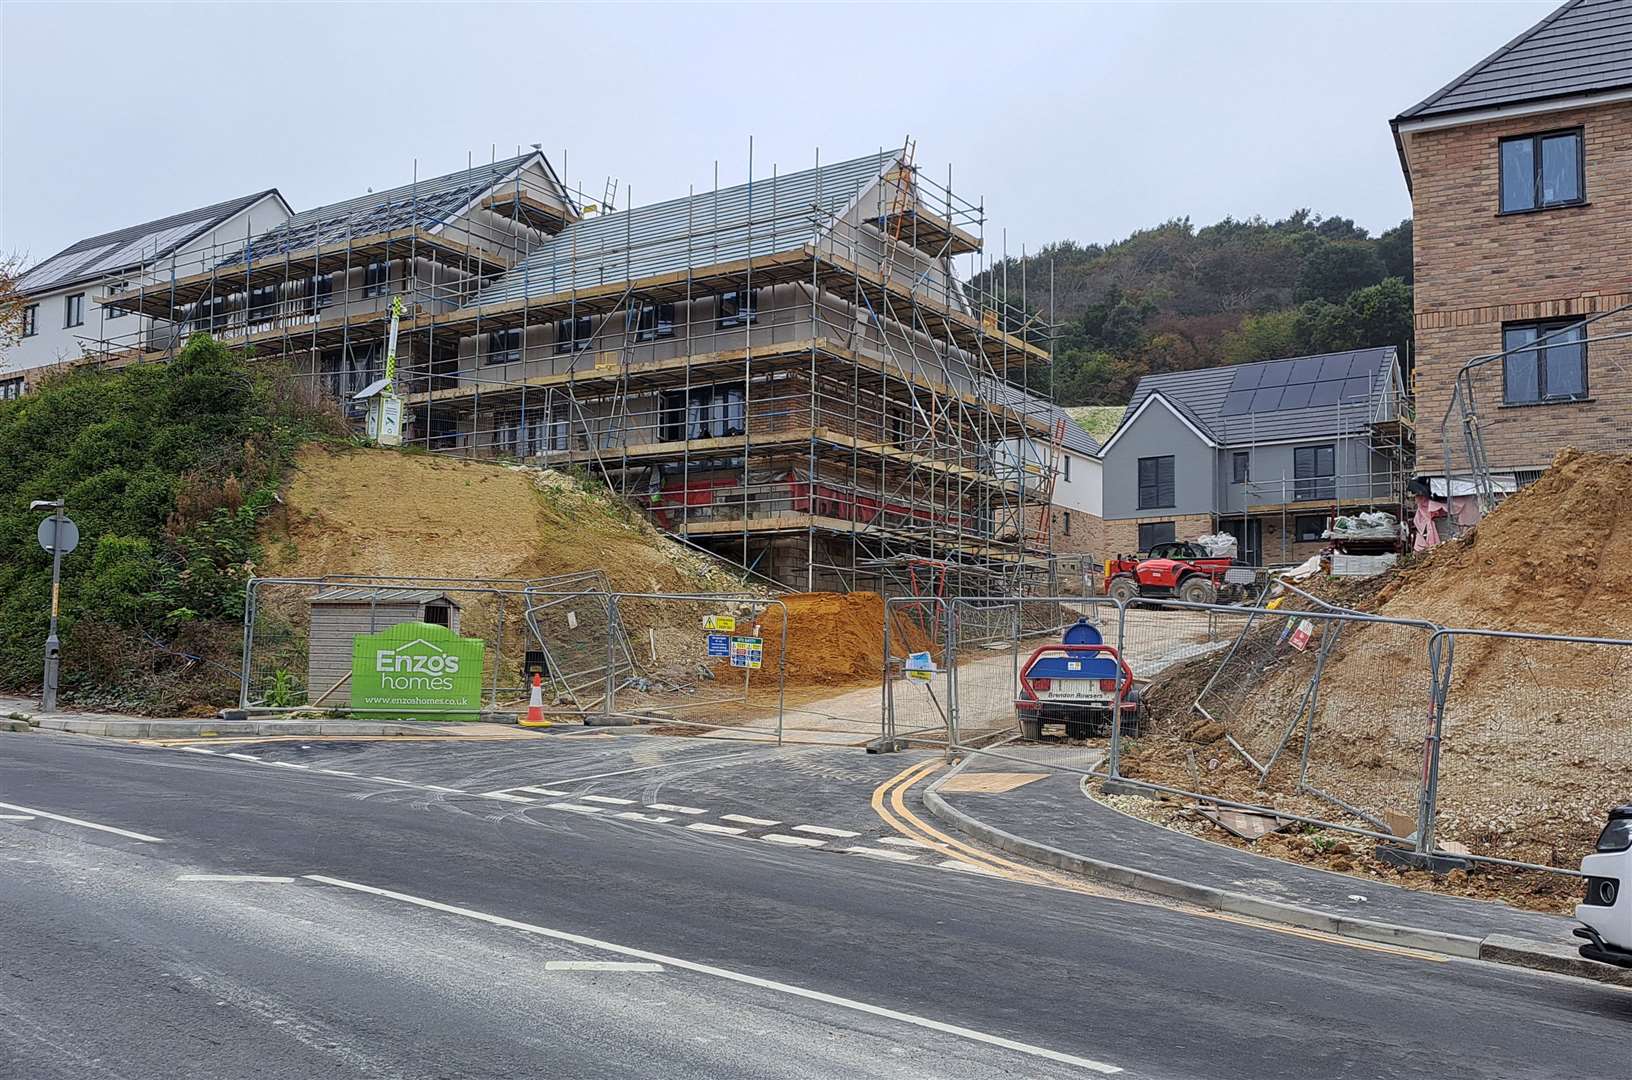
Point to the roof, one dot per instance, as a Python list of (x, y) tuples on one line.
[(1027, 404), (424, 204), (1224, 403), (368, 594), (1584, 47), (707, 228), (126, 249)]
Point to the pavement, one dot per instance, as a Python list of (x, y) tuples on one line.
[(1051, 818), (396, 908)]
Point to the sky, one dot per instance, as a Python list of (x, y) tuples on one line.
[(1066, 121)]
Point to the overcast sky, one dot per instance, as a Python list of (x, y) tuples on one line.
[(1070, 121)]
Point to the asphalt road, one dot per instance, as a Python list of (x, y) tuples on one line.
[(419, 919)]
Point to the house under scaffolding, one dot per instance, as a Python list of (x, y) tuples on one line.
[(788, 372)]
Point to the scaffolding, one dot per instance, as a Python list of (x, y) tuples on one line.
[(789, 372)]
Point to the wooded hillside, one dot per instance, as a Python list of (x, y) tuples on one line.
[(1176, 297)]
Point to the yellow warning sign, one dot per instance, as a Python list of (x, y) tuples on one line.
[(726, 623)]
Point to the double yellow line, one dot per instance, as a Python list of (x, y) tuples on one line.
[(889, 802)]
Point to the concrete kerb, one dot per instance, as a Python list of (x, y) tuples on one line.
[(1496, 948), (183, 729)]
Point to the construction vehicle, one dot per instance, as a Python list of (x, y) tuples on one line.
[(1182, 570), (1080, 683), (1606, 915)]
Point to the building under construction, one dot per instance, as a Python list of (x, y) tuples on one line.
[(788, 372)]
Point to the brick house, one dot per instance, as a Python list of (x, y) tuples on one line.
[(1520, 172)]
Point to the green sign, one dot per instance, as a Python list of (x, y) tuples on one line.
[(416, 668)]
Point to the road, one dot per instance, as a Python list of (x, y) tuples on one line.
[(619, 906)]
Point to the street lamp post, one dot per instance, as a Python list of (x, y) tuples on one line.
[(58, 535)]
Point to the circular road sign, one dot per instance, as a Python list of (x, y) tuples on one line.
[(53, 539)]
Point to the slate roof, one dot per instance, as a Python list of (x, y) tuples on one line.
[(1027, 404), (1583, 47), (695, 230), (1200, 395), (425, 203), (126, 249)]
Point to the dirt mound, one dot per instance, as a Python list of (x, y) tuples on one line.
[(389, 513), (837, 639)]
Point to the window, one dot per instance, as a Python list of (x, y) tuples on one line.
[(507, 432), (73, 310), (1554, 370), (574, 334), (263, 303), (1309, 527), (208, 314), (739, 307), (1314, 472), (1067, 480), (654, 321), (31, 320), (111, 312), (437, 614), (320, 292), (376, 279), (1068, 519), (1155, 482), (1240, 466), (503, 347), (1539, 171), (1152, 533), (707, 412), (12, 388)]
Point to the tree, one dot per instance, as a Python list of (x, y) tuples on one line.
[(1332, 271), (1394, 248), (12, 302)]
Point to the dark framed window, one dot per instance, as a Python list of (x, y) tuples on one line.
[(653, 321), (209, 313), (672, 420), (738, 307), (1156, 482), (1554, 370), (1542, 171), (1240, 467), (31, 320), (111, 312), (1308, 527), (1067, 478), (376, 279), (503, 347), (574, 334), (1067, 514), (1152, 533), (263, 303), (1314, 472), (319, 292), (12, 388), (73, 310)]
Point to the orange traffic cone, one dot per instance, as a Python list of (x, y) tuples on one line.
[(535, 705)]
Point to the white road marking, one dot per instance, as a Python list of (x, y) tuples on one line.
[(968, 868), (543, 791), (16, 817), (600, 965), (703, 826), (903, 841), (746, 820), (337, 772), (732, 976), (449, 790), (506, 798), (610, 800), (83, 824), (880, 853), (573, 807), (196, 750), (288, 765), (649, 768), (796, 841), (393, 780), (653, 819), (673, 809), (246, 878), (244, 757), (822, 830)]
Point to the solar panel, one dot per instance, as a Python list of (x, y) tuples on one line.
[(1325, 393), (1296, 397), (1247, 378), (1335, 367), (1356, 388), (1236, 402), (1306, 370), (1275, 375), (1267, 399)]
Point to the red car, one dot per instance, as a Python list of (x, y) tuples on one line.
[(1181, 570)]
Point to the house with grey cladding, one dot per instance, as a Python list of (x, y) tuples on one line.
[(1268, 452)]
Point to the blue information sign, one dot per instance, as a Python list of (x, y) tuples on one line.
[(719, 645)]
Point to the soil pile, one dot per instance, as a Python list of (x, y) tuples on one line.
[(1538, 735), (837, 639)]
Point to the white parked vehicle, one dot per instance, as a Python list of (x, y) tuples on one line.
[(1607, 912)]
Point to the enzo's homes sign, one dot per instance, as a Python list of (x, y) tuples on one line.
[(416, 668)]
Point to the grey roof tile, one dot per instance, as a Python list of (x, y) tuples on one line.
[(1583, 47), (1199, 396)]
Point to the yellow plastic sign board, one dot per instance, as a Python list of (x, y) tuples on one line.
[(726, 623)]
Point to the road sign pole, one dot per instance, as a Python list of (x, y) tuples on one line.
[(53, 647)]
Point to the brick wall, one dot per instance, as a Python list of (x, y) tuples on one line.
[(1087, 536), (1476, 270), (1122, 535)]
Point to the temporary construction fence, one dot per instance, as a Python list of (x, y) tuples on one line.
[(603, 656), (1467, 743)]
